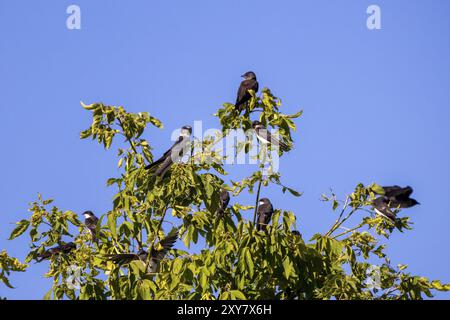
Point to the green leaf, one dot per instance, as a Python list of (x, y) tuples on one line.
[(288, 267), (237, 295), (22, 226), (48, 295), (439, 286), (377, 189), (112, 224)]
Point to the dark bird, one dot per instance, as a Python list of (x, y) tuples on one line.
[(243, 95), (265, 211), (394, 197), (90, 220), (224, 201), (265, 137), (155, 257), (296, 233), (175, 153), (64, 248)]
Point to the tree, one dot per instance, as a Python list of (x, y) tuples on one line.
[(237, 262)]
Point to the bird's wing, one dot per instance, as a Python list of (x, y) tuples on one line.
[(66, 248), (381, 206), (91, 223), (243, 94), (266, 137), (166, 154), (45, 255), (224, 199), (256, 86), (122, 258), (167, 244), (164, 166), (392, 191), (242, 91)]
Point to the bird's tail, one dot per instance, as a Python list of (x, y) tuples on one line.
[(283, 146)]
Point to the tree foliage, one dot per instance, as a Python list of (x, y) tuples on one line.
[(236, 262)]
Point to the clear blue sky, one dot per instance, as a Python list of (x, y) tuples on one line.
[(376, 103)]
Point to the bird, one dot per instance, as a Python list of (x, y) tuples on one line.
[(91, 221), (63, 248), (265, 137), (175, 153), (224, 201), (296, 233), (243, 94), (156, 256), (265, 211), (394, 197)]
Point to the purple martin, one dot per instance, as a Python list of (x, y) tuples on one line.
[(155, 257), (265, 137), (265, 211), (175, 153), (224, 201), (243, 95), (63, 248)]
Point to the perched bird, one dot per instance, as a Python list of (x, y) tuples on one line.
[(265, 137), (265, 211), (175, 153), (63, 248), (155, 256), (224, 201), (394, 197), (296, 233), (243, 95), (90, 220)]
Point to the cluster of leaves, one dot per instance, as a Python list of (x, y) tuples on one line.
[(237, 261), (7, 265)]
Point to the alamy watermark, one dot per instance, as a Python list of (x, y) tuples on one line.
[(73, 280), (73, 21), (230, 147), (373, 280), (374, 19)]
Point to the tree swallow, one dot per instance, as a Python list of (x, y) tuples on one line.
[(175, 153), (394, 197), (265, 137), (90, 220), (63, 248), (155, 257)]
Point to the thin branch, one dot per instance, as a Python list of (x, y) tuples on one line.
[(336, 224), (154, 240), (126, 136), (348, 231), (257, 199)]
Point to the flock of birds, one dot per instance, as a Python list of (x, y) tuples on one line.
[(394, 197)]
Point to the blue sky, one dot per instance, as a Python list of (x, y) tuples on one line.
[(376, 103)]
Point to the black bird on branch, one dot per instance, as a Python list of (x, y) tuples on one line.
[(155, 256), (91, 221), (265, 137), (64, 248), (265, 211), (224, 201), (243, 95), (394, 197), (175, 153)]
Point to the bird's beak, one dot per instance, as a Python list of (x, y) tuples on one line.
[(243, 76)]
